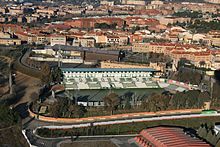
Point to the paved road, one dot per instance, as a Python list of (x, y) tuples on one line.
[(130, 120), (52, 142), (23, 60)]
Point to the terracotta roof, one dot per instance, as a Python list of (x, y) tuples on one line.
[(168, 137)]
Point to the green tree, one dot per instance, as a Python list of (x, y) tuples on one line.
[(127, 104), (156, 102), (8, 117), (134, 29), (46, 73), (203, 97), (112, 101), (210, 136), (178, 101), (203, 131), (192, 99), (77, 110), (217, 138), (56, 74)]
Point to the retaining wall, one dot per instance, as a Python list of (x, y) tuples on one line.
[(111, 117)]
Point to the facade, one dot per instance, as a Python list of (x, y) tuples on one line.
[(54, 52), (90, 22), (10, 41), (108, 78), (133, 2), (46, 11), (108, 3), (113, 40), (112, 64), (60, 40), (213, 1), (151, 47), (172, 20), (214, 37), (87, 42), (195, 54)]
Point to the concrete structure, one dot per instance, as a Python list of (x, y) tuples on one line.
[(108, 78), (217, 128)]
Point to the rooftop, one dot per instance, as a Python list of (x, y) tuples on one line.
[(108, 69), (170, 137)]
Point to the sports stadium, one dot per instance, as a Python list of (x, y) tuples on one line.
[(90, 85)]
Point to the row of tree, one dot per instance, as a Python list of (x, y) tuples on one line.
[(199, 26), (188, 13), (180, 100), (50, 74), (67, 108), (209, 135), (188, 76), (105, 26), (159, 102)]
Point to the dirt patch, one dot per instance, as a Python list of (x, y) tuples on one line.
[(12, 137), (25, 86)]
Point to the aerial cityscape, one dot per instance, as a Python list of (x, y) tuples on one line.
[(110, 73)]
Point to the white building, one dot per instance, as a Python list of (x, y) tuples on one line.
[(61, 40), (108, 78)]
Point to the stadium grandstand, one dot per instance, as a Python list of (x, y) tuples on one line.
[(108, 78)]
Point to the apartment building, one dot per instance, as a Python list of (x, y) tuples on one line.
[(46, 11), (172, 20), (151, 47), (90, 22), (213, 1), (87, 42), (108, 3), (214, 37), (56, 39), (111, 39), (25, 37), (133, 2), (10, 41), (113, 64)]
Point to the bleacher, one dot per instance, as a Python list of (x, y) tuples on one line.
[(109, 83)]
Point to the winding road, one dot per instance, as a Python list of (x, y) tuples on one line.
[(36, 124)]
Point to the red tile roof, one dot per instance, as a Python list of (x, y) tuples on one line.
[(168, 137)]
